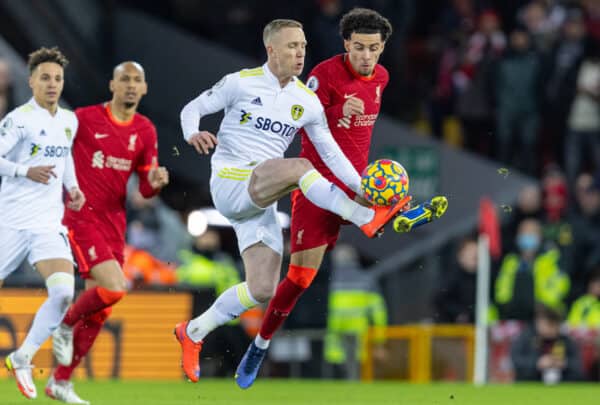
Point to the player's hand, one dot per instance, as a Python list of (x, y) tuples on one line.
[(353, 106), (41, 174), (158, 177), (77, 199), (203, 141)]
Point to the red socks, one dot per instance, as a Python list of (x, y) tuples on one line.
[(86, 316), (90, 302), (289, 290), (84, 335)]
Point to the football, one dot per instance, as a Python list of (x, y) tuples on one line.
[(384, 182)]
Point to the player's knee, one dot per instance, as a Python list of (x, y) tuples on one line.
[(116, 284), (110, 297), (262, 291), (61, 289), (301, 276)]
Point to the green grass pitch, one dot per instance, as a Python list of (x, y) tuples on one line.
[(292, 392)]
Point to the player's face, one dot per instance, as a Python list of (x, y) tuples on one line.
[(364, 51), (287, 51), (46, 82), (128, 85)]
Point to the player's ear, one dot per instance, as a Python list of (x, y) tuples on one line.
[(111, 85), (145, 89), (347, 45)]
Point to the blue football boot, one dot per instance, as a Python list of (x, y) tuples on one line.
[(248, 368), (422, 214)]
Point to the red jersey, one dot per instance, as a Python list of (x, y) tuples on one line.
[(334, 80), (106, 152)]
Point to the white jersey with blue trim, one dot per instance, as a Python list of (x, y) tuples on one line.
[(261, 119), (31, 136)]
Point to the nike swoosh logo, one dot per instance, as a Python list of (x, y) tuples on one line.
[(100, 136), (349, 95)]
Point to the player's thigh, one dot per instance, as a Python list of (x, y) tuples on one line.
[(275, 178), (109, 275), (14, 246), (48, 267), (98, 256), (313, 231), (51, 252)]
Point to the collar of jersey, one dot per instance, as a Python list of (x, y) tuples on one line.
[(355, 73), (36, 106), (270, 76), (114, 119)]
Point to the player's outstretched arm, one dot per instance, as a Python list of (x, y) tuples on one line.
[(220, 96), (331, 154)]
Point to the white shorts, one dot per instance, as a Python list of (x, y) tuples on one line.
[(252, 224), (16, 245)]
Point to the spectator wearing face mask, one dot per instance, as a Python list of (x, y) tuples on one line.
[(529, 276)]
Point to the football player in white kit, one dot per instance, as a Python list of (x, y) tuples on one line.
[(264, 108), (35, 165)]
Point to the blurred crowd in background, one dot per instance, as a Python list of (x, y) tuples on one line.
[(517, 82)]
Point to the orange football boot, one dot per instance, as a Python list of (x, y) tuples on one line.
[(190, 352), (383, 215)]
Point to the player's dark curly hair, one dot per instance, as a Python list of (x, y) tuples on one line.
[(43, 55), (365, 21)]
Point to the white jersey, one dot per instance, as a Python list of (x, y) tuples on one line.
[(261, 119), (31, 136)]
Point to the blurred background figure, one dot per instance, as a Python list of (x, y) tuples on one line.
[(585, 311), (582, 143), (585, 222), (529, 276), (474, 82), (517, 87), (7, 102), (355, 304), (455, 299), (544, 353), (154, 227)]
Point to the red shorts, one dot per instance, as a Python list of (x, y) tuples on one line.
[(91, 246), (312, 226)]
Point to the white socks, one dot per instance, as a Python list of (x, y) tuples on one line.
[(327, 195), (232, 303), (60, 288), (261, 343)]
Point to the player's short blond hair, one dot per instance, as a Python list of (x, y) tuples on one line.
[(275, 26)]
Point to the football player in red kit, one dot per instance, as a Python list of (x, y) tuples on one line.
[(350, 87), (113, 141)]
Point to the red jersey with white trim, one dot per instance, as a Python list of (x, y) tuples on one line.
[(106, 152), (334, 80)]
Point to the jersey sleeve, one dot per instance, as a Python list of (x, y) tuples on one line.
[(11, 133), (217, 98), (320, 136), (322, 83), (69, 176), (148, 159)]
